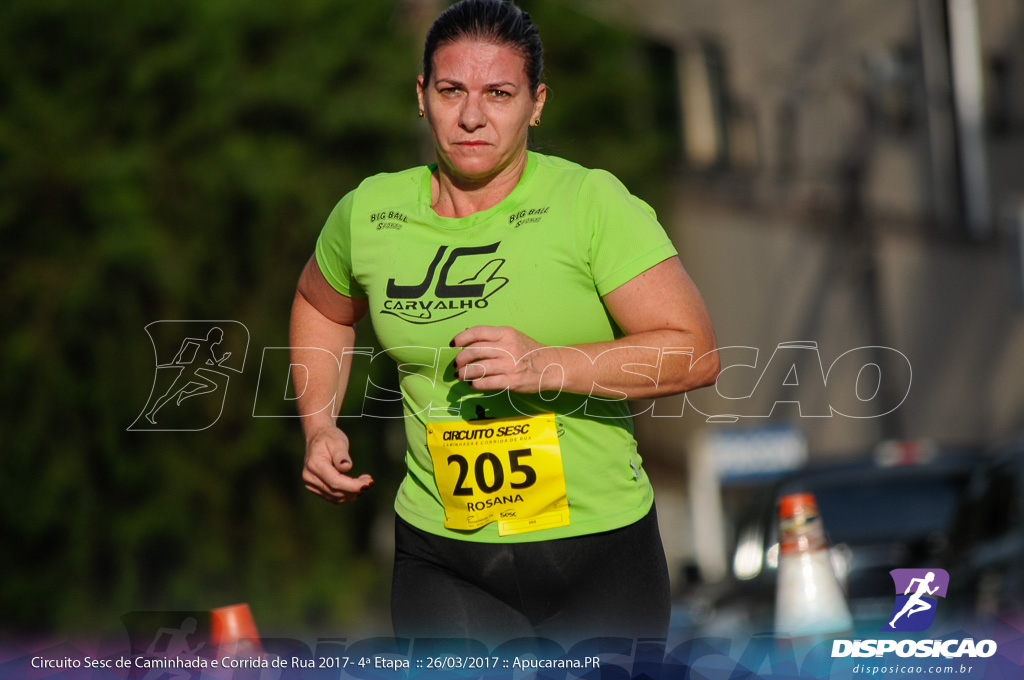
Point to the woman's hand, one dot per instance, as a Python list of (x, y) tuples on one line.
[(498, 358), (327, 462)]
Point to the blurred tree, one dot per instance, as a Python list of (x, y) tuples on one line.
[(612, 99), (173, 161)]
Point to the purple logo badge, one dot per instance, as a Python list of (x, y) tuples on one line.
[(916, 593)]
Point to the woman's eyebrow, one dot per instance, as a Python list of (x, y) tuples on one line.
[(488, 86)]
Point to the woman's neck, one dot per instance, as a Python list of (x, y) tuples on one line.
[(452, 196)]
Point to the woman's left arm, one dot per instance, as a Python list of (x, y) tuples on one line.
[(669, 346)]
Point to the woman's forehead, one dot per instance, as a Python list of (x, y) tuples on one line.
[(479, 61)]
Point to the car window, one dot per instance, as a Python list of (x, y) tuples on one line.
[(894, 509)]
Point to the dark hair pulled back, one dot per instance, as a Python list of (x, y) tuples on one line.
[(495, 21)]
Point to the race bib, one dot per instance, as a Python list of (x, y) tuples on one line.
[(507, 470)]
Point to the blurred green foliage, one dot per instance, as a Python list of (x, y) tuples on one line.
[(176, 160)]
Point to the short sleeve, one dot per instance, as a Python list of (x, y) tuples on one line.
[(334, 249), (621, 235)]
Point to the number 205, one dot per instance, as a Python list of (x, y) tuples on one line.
[(497, 472)]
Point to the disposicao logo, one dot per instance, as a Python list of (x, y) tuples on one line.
[(913, 610), (916, 593)]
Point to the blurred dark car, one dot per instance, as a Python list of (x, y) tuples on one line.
[(878, 517), (988, 539)]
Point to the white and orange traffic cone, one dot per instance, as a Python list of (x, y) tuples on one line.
[(808, 601)]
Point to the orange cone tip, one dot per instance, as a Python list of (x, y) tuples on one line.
[(233, 624)]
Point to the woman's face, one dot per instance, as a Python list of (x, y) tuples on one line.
[(479, 107)]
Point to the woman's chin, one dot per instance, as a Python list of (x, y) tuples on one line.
[(478, 167)]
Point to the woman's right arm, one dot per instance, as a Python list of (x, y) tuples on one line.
[(324, 319)]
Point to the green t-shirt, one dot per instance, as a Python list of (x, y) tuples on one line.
[(539, 261)]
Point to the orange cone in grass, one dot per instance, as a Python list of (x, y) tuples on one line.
[(233, 630), (808, 601)]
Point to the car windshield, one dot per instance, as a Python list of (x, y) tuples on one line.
[(893, 509)]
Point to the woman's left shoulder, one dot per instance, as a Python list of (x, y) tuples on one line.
[(595, 179)]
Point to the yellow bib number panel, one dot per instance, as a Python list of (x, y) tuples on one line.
[(507, 470)]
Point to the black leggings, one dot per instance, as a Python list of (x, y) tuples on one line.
[(613, 583)]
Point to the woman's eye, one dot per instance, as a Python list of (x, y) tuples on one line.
[(500, 94), (449, 91)]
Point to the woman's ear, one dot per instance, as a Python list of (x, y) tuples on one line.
[(419, 94), (538, 103)]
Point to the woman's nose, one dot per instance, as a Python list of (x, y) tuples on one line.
[(472, 115)]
